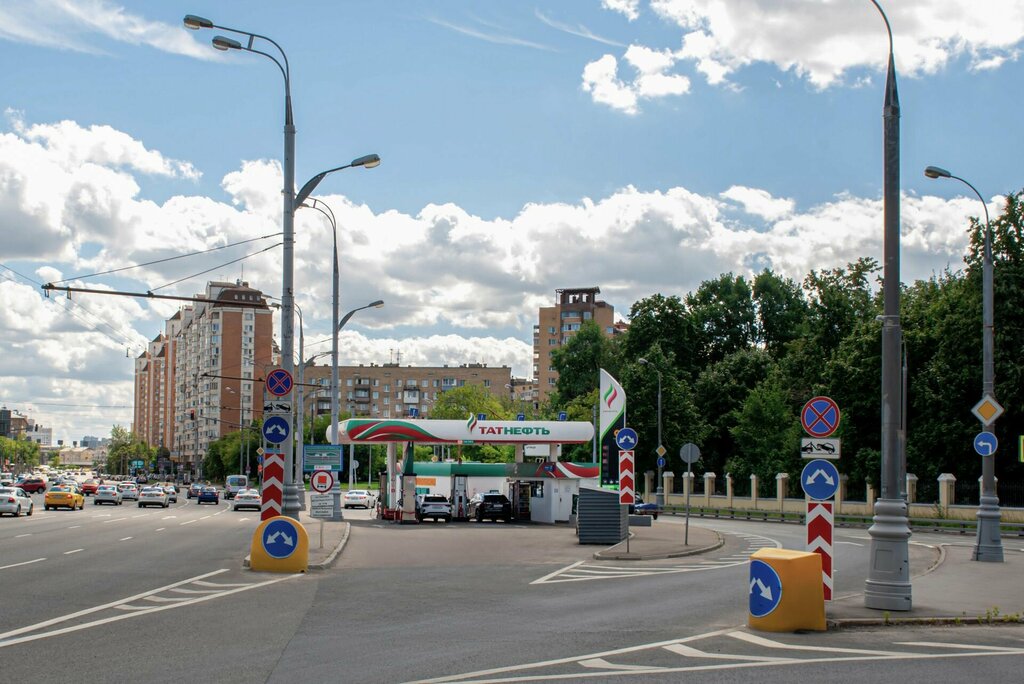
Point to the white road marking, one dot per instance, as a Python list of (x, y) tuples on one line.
[(164, 599), (219, 585), (850, 543), (937, 644), (14, 565), (160, 529), (691, 652), (205, 517), (187, 522), (179, 590), (74, 527), (125, 538), (19, 536), (768, 643), (601, 663), (114, 520), (168, 517), (138, 516), (68, 553), (556, 573)]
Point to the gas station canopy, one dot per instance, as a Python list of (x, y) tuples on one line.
[(471, 431)]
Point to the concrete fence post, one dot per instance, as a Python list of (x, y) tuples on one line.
[(688, 483), (947, 481), (753, 492), (709, 488), (648, 482), (911, 488), (844, 481), (668, 478), (869, 495), (729, 491), (781, 487)]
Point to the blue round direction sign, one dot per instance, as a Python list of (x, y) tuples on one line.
[(279, 382), (820, 417), (276, 429), (820, 479), (280, 538), (661, 461), (765, 588), (625, 438), (985, 443)]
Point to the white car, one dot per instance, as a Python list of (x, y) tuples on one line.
[(172, 493), (153, 496), (129, 490), (359, 497), (14, 501), (107, 493), (247, 498)]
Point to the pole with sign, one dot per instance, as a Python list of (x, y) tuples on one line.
[(690, 455)]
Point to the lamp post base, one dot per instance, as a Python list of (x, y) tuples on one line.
[(290, 505), (888, 583), (659, 496), (988, 545)]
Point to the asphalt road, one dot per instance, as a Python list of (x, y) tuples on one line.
[(154, 598)]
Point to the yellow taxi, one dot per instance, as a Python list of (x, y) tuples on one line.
[(63, 496)]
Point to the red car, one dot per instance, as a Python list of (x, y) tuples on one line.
[(32, 485), (89, 486)]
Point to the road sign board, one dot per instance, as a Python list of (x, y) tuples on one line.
[(562, 415), (280, 537), (820, 417), (661, 450), (819, 448), (985, 443), (322, 457), (322, 481), (987, 410), (321, 505), (260, 451), (627, 482), (626, 438), (276, 429), (277, 407), (272, 492), (819, 539), (520, 416), (765, 588), (820, 479), (279, 382), (414, 412), (689, 453), (661, 462)]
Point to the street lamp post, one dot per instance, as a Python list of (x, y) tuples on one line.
[(888, 583), (988, 542), (659, 496), (290, 503)]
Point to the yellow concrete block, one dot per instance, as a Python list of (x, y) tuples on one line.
[(786, 592), (279, 544)]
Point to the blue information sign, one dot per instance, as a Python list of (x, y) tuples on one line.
[(276, 429), (562, 415), (520, 416), (820, 479), (661, 461), (280, 538), (625, 438), (985, 443), (765, 588)]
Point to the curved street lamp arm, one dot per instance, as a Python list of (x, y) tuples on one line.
[(888, 28)]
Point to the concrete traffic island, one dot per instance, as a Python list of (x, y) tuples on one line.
[(662, 541), (335, 536)]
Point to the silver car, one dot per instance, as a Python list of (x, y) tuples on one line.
[(129, 490), (359, 497), (15, 501), (107, 493), (153, 496), (247, 498)]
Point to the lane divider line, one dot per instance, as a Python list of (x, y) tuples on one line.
[(68, 553), (14, 565)]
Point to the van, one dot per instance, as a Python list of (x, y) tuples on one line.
[(235, 484)]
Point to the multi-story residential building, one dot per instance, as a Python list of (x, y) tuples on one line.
[(557, 324), (393, 391), (197, 381)]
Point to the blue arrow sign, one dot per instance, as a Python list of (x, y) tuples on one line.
[(520, 416), (661, 461), (765, 588), (985, 443), (625, 438), (280, 538), (276, 429), (820, 479)]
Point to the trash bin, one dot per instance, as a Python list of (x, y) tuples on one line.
[(785, 591)]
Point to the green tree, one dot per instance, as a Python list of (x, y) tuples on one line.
[(459, 403), (767, 434), (664, 321), (579, 361), (782, 312)]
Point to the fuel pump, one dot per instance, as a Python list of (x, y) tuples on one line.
[(460, 498)]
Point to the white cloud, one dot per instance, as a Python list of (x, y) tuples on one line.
[(825, 43), (600, 79), (759, 202), (630, 8), (78, 24)]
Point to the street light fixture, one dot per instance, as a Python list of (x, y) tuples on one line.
[(888, 583), (659, 496), (988, 544)]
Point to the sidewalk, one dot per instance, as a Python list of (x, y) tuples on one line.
[(662, 541)]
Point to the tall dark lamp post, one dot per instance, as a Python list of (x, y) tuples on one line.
[(988, 543), (659, 496), (888, 583)]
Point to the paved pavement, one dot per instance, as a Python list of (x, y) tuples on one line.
[(953, 590)]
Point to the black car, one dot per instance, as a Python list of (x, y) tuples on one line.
[(490, 505)]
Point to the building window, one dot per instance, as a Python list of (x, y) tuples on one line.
[(425, 383), (376, 395), (387, 388), (348, 382), (487, 383), (398, 383)]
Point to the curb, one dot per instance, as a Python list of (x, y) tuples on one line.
[(322, 565), (605, 555)]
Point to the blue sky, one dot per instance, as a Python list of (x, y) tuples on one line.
[(638, 146)]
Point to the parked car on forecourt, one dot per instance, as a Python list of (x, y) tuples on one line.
[(107, 493), (359, 497), (490, 505), (15, 501), (63, 496), (433, 506), (209, 495), (129, 490), (247, 498)]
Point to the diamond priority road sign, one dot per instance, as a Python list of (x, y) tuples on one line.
[(987, 410)]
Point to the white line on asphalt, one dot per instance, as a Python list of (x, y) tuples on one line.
[(691, 652), (14, 565), (939, 644), (768, 643), (850, 543), (138, 516), (556, 573), (602, 664), (204, 517), (19, 536), (68, 553), (166, 599), (113, 520), (160, 529), (125, 538), (74, 526), (219, 585), (168, 517), (187, 522), (96, 623)]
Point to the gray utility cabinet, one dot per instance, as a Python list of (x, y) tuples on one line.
[(600, 518)]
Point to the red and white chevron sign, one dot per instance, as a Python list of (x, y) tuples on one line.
[(627, 481), (273, 485), (819, 539)]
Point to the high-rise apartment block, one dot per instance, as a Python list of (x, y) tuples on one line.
[(199, 379), (558, 324)]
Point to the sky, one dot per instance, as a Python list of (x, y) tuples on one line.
[(640, 146)]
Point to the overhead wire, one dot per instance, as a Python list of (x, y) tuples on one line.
[(233, 261)]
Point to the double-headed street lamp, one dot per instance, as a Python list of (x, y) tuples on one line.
[(659, 496), (988, 542), (335, 389), (888, 583)]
